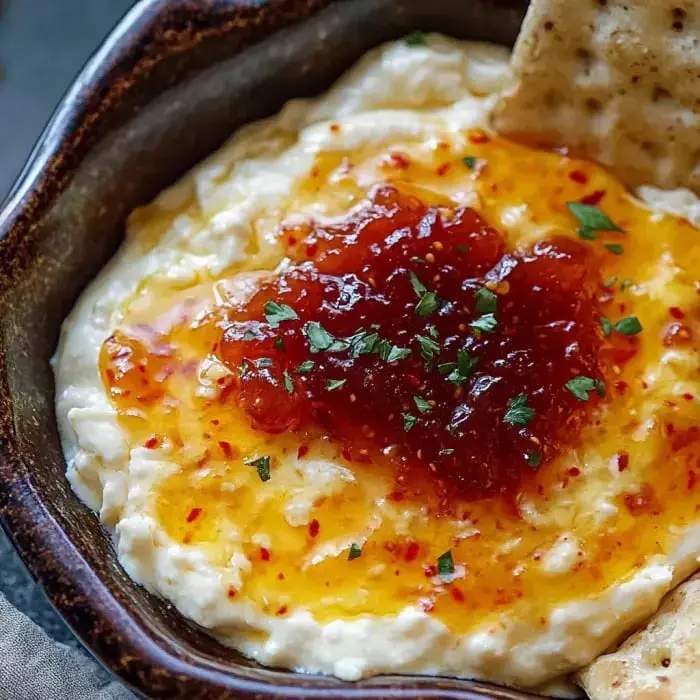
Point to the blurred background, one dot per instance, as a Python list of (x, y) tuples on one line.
[(43, 44)]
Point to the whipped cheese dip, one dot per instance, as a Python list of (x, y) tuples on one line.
[(400, 116)]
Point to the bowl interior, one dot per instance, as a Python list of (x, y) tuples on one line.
[(62, 227)]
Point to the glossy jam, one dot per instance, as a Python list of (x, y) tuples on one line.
[(637, 451), (360, 283)]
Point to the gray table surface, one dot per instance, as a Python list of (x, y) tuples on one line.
[(43, 44)]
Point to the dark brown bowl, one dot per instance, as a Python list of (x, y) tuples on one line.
[(170, 84)]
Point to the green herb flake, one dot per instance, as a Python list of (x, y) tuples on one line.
[(418, 287), (581, 387), (462, 249), (355, 551), (263, 363), (587, 233), (262, 464), (486, 301), (418, 261), (409, 420), (279, 344), (518, 413), (305, 367), (244, 367), (625, 284), (432, 331), (447, 367), (486, 323), (428, 349), (446, 452), (534, 459), (248, 336), (628, 326), (469, 161), (427, 305), (276, 313), (610, 282), (422, 405), (615, 248), (333, 384), (416, 38), (288, 382), (396, 353), (446, 566), (606, 326), (592, 217), (319, 338)]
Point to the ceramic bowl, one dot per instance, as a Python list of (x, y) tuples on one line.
[(168, 86)]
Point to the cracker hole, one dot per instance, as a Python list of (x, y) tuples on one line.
[(548, 26), (593, 106), (677, 26), (660, 93), (679, 13), (634, 80)]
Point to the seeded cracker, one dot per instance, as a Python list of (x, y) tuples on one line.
[(660, 662), (615, 80)]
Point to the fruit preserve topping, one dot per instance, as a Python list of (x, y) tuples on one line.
[(411, 334)]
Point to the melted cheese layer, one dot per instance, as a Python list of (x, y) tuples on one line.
[(540, 589)]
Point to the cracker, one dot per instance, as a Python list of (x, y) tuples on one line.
[(617, 81), (660, 662)]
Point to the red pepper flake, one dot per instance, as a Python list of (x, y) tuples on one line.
[(226, 449), (623, 461), (676, 313), (264, 554), (302, 451), (641, 503), (194, 514), (677, 334), (314, 527), (396, 496), (443, 169), (335, 128), (593, 198), (574, 471), (688, 397), (311, 250), (457, 594), (187, 538), (478, 137), (399, 160), (430, 570), (411, 551), (315, 171), (152, 442), (282, 610), (579, 176), (231, 593), (621, 387), (280, 576), (692, 479)]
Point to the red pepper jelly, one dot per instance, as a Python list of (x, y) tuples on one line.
[(412, 334)]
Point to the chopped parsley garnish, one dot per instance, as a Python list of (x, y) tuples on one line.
[(262, 464), (534, 459), (396, 353), (248, 336), (432, 331), (606, 326), (409, 421), (447, 367), (428, 349), (469, 161), (319, 338), (418, 287), (446, 565), (418, 261), (462, 249), (463, 369), (427, 305), (279, 344), (362, 342), (416, 38), (355, 551), (615, 248), (333, 384), (305, 367), (591, 219), (263, 363), (288, 382), (422, 405), (244, 367), (446, 452), (486, 301), (610, 282), (518, 413), (625, 284), (276, 313), (581, 386), (486, 323), (629, 326)]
